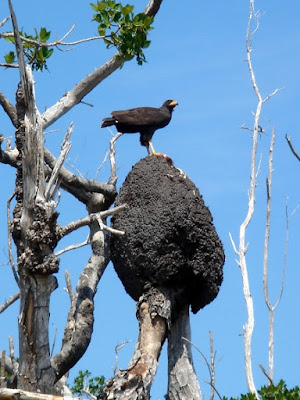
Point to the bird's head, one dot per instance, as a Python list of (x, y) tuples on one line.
[(170, 104)]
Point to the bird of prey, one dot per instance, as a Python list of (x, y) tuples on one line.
[(145, 120)]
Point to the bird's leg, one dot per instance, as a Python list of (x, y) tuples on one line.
[(154, 153), (147, 147)]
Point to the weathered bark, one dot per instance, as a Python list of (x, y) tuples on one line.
[(183, 382), (80, 322), (34, 227), (134, 383), (17, 394)]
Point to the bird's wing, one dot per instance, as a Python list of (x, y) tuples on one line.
[(142, 116)]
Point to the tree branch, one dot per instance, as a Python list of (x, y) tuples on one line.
[(288, 139), (9, 302), (4, 21), (70, 180), (65, 148), (8, 156), (80, 321), (9, 109), (94, 217), (87, 84)]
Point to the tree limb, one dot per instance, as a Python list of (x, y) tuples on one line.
[(9, 109), (70, 180), (8, 156), (9, 302), (288, 139), (72, 226), (80, 321), (87, 84)]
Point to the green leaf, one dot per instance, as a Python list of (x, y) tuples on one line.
[(44, 35), (127, 9), (10, 57), (10, 39)]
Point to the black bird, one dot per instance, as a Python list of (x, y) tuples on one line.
[(145, 120)]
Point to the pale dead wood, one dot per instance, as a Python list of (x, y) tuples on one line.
[(9, 302), (210, 365), (65, 148), (17, 394), (4, 21), (182, 379), (242, 248), (5, 65), (69, 286), (112, 152), (70, 180), (135, 382), (117, 350), (8, 156), (3, 382), (73, 246), (266, 256), (15, 364), (99, 217)]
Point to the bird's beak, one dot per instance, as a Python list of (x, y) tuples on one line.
[(174, 103)]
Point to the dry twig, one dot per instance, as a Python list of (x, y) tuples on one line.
[(9, 302)]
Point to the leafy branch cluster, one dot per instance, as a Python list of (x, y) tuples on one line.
[(272, 392), (122, 29), (34, 51), (83, 384)]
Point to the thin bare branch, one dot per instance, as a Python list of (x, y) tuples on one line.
[(288, 139), (15, 364), (72, 226), (71, 181), (69, 286), (65, 148), (266, 374), (9, 302), (73, 246), (8, 156), (209, 367), (9, 109), (4, 21), (117, 349), (101, 165), (268, 222), (5, 65), (212, 366), (112, 152), (266, 256), (59, 42)]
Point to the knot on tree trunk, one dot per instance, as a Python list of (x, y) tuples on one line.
[(170, 241)]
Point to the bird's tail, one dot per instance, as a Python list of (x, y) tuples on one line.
[(108, 122)]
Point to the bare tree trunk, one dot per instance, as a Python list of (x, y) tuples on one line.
[(183, 382), (135, 382), (34, 227)]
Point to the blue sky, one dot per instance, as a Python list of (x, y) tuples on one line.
[(197, 57)]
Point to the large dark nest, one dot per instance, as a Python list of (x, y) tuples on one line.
[(170, 241)]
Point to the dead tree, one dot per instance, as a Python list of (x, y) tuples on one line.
[(36, 231)]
